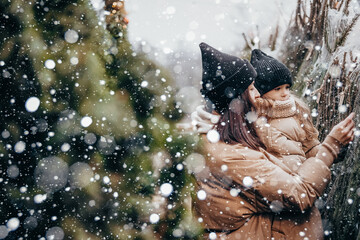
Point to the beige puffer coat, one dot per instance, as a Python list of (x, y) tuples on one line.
[(282, 133), (271, 222), (253, 195)]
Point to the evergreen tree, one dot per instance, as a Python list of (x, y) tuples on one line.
[(88, 142)]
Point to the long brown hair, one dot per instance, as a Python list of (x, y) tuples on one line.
[(233, 126)]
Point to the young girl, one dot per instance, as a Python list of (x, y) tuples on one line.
[(283, 124)]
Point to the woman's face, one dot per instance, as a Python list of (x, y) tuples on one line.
[(253, 94)]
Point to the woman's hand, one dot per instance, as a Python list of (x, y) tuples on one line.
[(344, 131)]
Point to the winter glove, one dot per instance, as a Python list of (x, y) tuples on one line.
[(202, 120)]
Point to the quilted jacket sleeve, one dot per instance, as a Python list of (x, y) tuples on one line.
[(265, 182), (276, 141)]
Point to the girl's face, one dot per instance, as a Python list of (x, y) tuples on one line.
[(280, 93), (253, 93)]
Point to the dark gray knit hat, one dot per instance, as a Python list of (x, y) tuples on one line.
[(224, 78), (270, 72)]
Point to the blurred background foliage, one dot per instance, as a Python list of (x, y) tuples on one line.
[(87, 129)]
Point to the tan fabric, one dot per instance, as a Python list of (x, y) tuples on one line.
[(282, 133), (268, 192)]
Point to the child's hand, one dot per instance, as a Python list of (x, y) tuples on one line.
[(344, 131)]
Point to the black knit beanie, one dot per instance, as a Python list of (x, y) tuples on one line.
[(224, 78), (270, 72)]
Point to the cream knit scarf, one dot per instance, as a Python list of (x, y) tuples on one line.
[(204, 121), (283, 109)]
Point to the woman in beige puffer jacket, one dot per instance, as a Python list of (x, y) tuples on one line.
[(251, 194), (242, 189)]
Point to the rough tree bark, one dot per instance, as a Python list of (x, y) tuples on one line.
[(320, 49)]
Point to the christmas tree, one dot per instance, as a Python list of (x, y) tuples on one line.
[(88, 142)]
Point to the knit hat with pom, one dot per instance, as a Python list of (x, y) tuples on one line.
[(270, 72), (224, 77)]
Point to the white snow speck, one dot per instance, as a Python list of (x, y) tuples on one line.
[(80, 175), (334, 71), (13, 171), (32, 104), (13, 224), (39, 198), (106, 180), (50, 64), (212, 236), (144, 84), (90, 138), (166, 189), (342, 109), (86, 121), (178, 233), (234, 192), (201, 194), (179, 167), (45, 171), (3, 231), (5, 134), (154, 218), (339, 84), (357, 133), (170, 10), (55, 233), (314, 112), (74, 60), (224, 168), (195, 162), (248, 181), (92, 203), (65, 147), (251, 116), (19, 147), (213, 136), (71, 36)]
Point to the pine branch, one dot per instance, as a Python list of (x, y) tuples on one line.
[(347, 31), (298, 15), (321, 23), (339, 7), (346, 8), (273, 43), (246, 41)]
